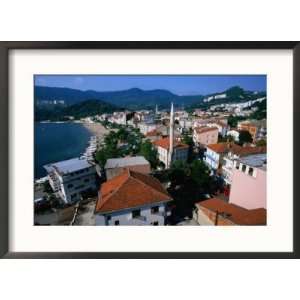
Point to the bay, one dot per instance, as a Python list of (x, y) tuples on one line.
[(57, 141)]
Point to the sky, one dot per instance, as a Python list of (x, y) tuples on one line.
[(177, 84)]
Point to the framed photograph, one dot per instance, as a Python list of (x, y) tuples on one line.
[(149, 149)]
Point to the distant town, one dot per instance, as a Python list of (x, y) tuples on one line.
[(204, 164)]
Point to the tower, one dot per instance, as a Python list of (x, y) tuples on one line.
[(156, 109), (171, 146)]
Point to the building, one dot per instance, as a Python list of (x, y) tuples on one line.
[(203, 136), (170, 149), (132, 198), (222, 127), (234, 133), (70, 178), (234, 154), (250, 127), (115, 166), (153, 135), (215, 152), (180, 151), (215, 211), (146, 127), (249, 182)]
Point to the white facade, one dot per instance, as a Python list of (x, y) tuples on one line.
[(146, 127), (69, 184), (153, 214), (212, 158), (235, 134)]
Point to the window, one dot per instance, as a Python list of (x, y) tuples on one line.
[(243, 168), (117, 222), (155, 223), (154, 209), (250, 171), (86, 180), (237, 166), (70, 185), (108, 218), (136, 213)]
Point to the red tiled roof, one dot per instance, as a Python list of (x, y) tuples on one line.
[(204, 129), (250, 150), (236, 149), (130, 189), (236, 214), (165, 143), (152, 133)]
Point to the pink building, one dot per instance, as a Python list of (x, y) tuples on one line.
[(205, 135), (249, 182)]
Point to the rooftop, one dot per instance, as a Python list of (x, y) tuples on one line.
[(257, 160), (235, 213), (125, 162), (68, 166), (204, 129), (236, 149), (165, 143), (130, 189)]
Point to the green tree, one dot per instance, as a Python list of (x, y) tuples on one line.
[(245, 137), (150, 153), (178, 173), (188, 140), (261, 143), (200, 174)]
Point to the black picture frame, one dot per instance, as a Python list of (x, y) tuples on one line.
[(5, 47)]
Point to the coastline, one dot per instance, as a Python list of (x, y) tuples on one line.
[(96, 129)]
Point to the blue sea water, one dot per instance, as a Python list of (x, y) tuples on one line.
[(57, 141)]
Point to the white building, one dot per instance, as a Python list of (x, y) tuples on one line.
[(132, 198), (235, 154), (146, 127), (70, 178), (234, 133)]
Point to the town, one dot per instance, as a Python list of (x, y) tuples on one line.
[(205, 166)]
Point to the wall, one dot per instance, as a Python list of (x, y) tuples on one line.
[(125, 216), (211, 216), (212, 159), (249, 191), (206, 138), (145, 169)]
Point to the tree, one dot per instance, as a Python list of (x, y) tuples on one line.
[(245, 137), (200, 174), (261, 143), (188, 140), (150, 153), (178, 173)]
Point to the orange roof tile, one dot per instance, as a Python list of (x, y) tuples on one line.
[(152, 133), (235, 213), (165, 143), (204, 129), (130, 189), (236, 149)]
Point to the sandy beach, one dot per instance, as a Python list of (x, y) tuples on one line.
[(96, 129)]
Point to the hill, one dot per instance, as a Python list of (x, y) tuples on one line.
[(79, 110), (131, 99)]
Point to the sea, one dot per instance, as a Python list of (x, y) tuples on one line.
[(54, 142)]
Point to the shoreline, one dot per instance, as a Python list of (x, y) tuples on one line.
[(96, 129)]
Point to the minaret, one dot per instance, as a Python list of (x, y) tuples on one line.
[(171, 146), (156, 109)]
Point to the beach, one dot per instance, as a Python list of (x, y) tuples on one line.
[(96, 129)]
